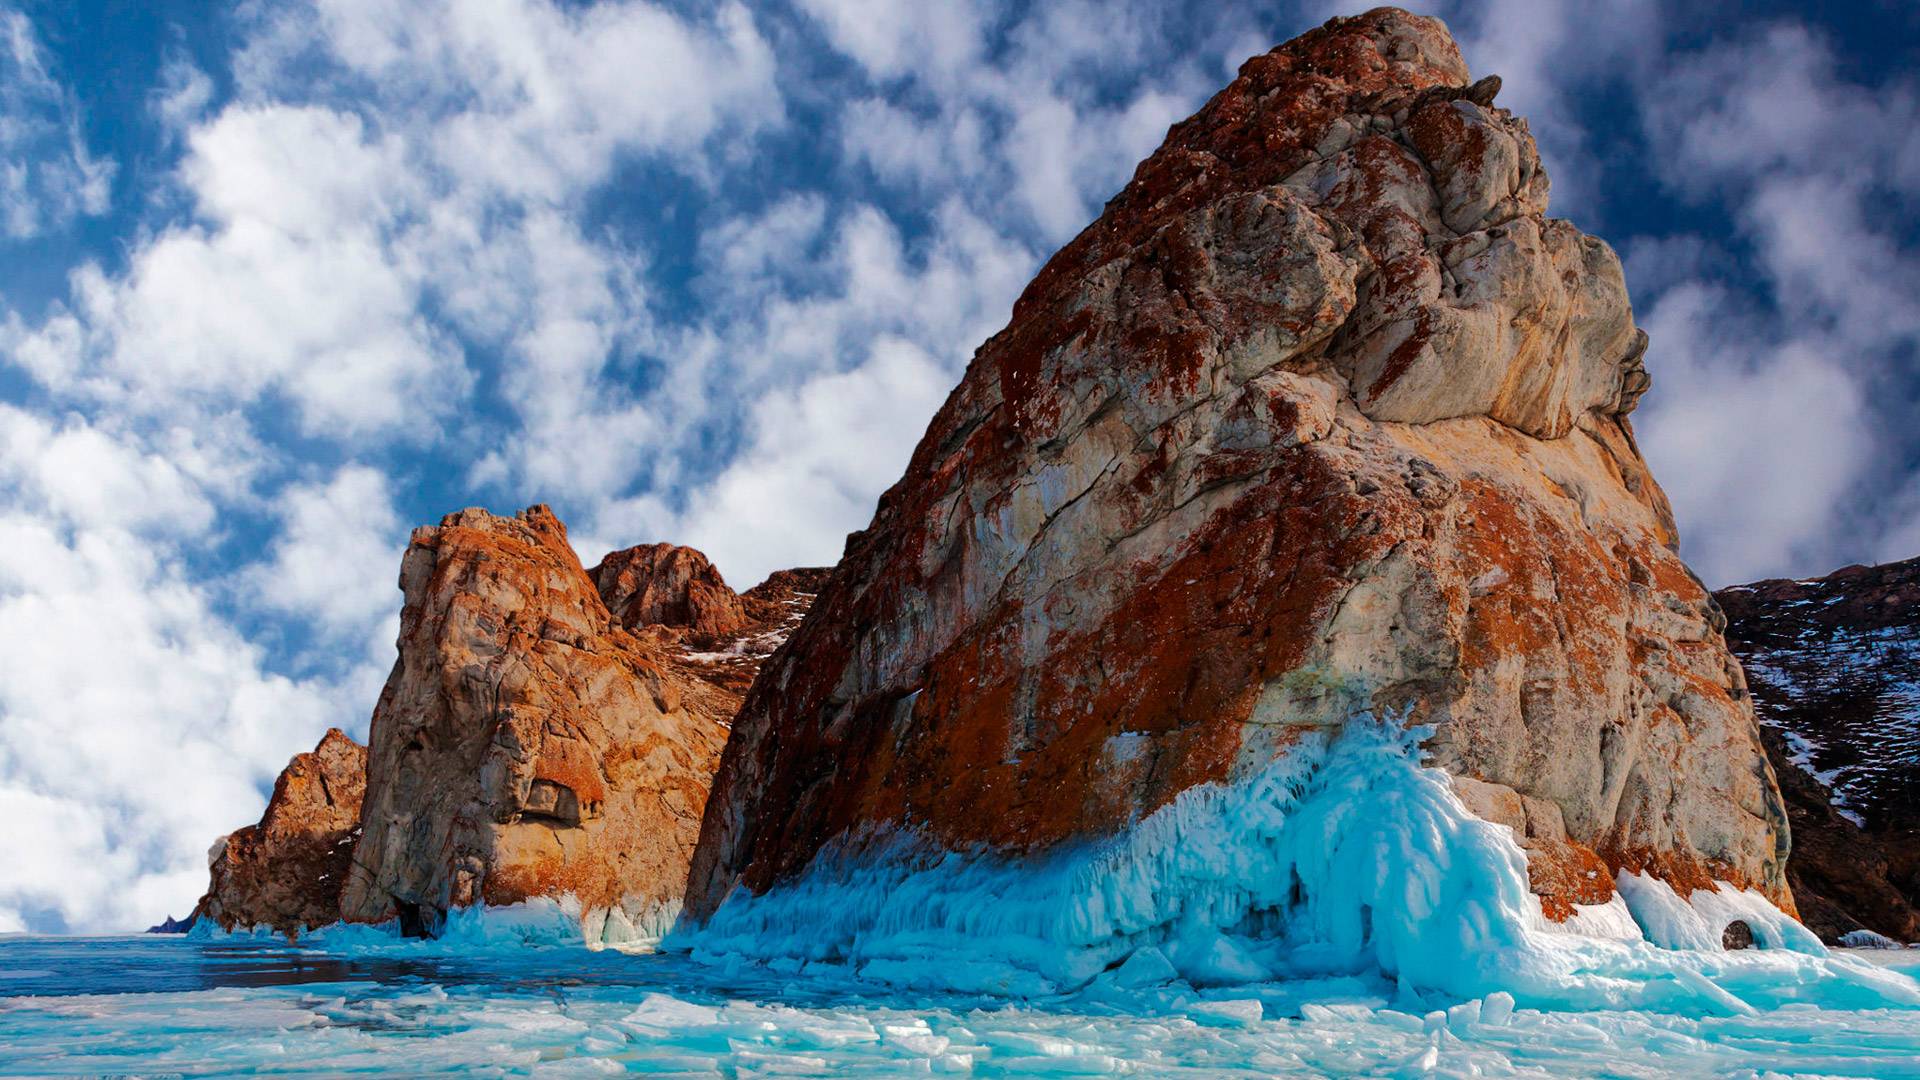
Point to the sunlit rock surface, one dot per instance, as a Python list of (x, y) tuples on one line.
[(676, 601), (526, 744), (1835, 667), (286, 872), (1322, 416)]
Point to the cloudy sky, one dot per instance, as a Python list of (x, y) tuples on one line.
[(282, 279)]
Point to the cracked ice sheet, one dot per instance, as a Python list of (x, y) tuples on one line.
[(546, 1011)]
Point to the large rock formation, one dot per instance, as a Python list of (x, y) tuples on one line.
[(526, 744), (1834, 663), (287, 872), (1322, 415)]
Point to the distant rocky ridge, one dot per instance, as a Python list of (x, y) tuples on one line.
[(1324, 415), (545, 730), (1834, 665)]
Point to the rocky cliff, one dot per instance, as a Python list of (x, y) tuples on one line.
[(1834, 664), (1323, 415), (286, 872), (526, 742)]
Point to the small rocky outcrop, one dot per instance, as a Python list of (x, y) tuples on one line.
[(675, 599), (1324, 414), (286, 872), (1834, 664), (526, 743), (668, 586)]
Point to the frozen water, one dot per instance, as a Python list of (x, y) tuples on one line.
[(1346, 857), (1339, 914), (160, 1005)]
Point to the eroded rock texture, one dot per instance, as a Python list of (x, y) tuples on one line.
[(1835, 667), (675, 600), (1322, 414), (287, 871), (526, 743)]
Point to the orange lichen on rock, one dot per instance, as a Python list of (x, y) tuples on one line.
[(1323, 415), (526, 744), (286, 872)]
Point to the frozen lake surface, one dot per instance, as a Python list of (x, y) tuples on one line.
[(152, 1005)]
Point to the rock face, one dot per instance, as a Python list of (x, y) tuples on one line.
[(668, 585), (675, 599), (1834, 663), (526, 743), (1322, 415), (287, 872)]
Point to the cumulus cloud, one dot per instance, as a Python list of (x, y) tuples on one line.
[(1783, 371), (135, 724), (333, 561)]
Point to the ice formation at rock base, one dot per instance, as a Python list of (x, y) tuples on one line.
[(1344, 858), (1348, 860)]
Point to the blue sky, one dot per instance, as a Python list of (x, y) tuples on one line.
[(280, 280)]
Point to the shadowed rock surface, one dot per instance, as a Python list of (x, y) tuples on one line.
[(526, 743), (287, 871), (1834, 663), (1323, 414)]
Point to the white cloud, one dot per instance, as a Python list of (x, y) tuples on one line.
[(1757, 441), (936, 41), (135, 724), (48, 176), (85, 478), (820, 455), (183, 95), (959, 113), (334, 559), (1776, 425)]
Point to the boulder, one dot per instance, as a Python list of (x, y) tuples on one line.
[(668, 585), (526, 744), (286, 872), (1323, 416)]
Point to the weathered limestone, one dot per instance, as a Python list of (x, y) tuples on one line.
[(287, 872), (525, 744), (1322, 415)]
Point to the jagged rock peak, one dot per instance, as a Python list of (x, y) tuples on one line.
[(668, 585), (525, 743), (1323, 414), (287, 871)]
